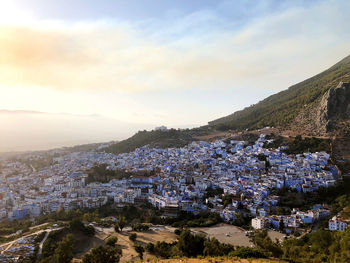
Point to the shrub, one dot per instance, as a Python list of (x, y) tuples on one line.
[(246, 252), (177, 232), (150, 248), (140, 227), (105, 254), (112, 241), (139, 249), (133, 237)]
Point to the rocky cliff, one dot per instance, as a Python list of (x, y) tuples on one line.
[(325, 115)]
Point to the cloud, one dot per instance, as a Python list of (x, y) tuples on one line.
[(191, 51)]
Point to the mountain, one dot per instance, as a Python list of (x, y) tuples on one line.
[(318, 106), (313, 107)]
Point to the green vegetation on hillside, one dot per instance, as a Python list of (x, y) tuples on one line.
[(60, 245), (162, 139), (299, 145), (190, 245), (319, 246), (105, 254), (204, 219), (280, 109), (100, 173), (8, 227), (337, 197)]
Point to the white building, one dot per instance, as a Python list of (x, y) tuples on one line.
[(258, 223), (336, 224)]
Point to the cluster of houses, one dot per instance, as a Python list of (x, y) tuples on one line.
[(336, 223), (297, 221), (181, 180), (292, 223), (22, 248)]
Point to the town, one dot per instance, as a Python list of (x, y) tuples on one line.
[(178, 180)]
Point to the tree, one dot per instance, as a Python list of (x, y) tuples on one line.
[(246, 252), (264, 244), (162, 249), (321, 241), (212, 247), (281, 225), (140, 227), (190, 245), (177, 231), (139, 249), (76, 225), (64, 250), (112, 241), (150, 247), (121, 223), (105, 254), (90, 217), (133, 237), (61, 214)]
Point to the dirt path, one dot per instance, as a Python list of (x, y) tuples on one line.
[(9, 244), (41, 244), (155, 234)]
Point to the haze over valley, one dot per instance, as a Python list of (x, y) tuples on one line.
[(31, 130)]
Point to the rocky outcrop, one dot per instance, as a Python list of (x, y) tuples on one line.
[(338, 103), (322, 116), (335, 106)]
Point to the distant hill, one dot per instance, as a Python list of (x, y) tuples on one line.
[(295, 107), (162, 139)]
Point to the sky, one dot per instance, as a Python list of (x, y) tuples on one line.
[(84, 70)]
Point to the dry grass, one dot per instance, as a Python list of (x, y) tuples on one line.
[(236, 237), (230, 234), (213, 260), (213, 136), (127, 246)]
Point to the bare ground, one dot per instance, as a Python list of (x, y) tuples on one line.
[(232, 234), (223, 232), (127, 246)]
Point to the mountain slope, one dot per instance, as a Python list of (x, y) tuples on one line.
[(163, 139), (312, 107), (282, 109)]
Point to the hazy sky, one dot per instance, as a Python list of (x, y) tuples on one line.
[(125, 65)]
